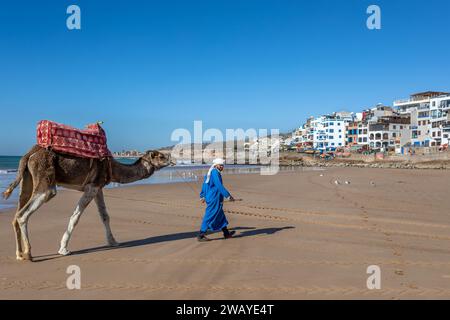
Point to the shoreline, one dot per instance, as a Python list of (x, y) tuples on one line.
[(194, 178), (435, 161)]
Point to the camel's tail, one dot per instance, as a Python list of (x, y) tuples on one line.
[(22, 167)]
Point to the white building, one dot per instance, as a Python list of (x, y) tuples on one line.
[(429, 118), (329, 133), (420, 126), (440, 120), (304, 135)]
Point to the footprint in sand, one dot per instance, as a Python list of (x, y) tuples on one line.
[(399, 272)]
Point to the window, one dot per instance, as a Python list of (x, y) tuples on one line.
[(395, 127), (401, 127), (331, 130), (340, 144), (340, 137), (394, 134)]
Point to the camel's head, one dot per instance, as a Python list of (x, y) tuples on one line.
[(157, 159)]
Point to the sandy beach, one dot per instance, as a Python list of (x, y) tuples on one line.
[(299, 236)]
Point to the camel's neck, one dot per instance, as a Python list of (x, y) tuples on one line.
[(127, 173)]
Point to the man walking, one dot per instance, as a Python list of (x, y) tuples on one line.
[(213, 193)]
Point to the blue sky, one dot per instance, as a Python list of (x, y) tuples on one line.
[(146, 68)]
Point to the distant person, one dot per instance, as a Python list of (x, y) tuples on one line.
[(213, 193)]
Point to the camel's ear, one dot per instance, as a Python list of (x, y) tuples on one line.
[(150, 153)]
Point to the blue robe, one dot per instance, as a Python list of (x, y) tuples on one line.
[(214, 192)]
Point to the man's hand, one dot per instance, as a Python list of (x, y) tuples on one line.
[(231, 199), (202, 200)]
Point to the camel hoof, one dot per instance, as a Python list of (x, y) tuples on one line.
[(64, 252), (24, 257), (113, 243), (19, 256)]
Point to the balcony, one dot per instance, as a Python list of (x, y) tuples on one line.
[(403, 102), (424, 106)]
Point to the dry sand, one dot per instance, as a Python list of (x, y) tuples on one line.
[(300, 236)]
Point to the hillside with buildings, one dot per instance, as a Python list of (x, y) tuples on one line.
[(421, 121)]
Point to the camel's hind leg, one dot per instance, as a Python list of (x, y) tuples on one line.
[(104, 216), (22, 217), (40, 166), (89, 193), (26, 190)]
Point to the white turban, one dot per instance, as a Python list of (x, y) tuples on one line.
[(216, 162)]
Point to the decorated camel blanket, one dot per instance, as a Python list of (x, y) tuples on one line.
[(87, 143)]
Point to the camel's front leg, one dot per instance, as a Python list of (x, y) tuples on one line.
[(104, 216), (89, 193)]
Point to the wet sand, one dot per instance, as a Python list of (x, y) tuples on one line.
[(299, 236)]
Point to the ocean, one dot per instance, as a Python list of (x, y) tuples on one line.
[(8, 171), (175, 174)]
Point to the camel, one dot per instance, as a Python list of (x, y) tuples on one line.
[(41, 171)]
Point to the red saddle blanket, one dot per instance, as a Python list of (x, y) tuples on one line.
[(88, 143)]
